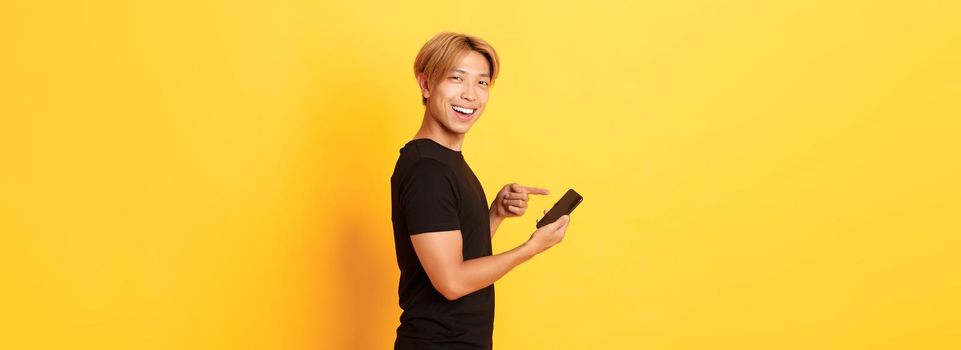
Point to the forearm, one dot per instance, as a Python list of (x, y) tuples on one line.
[(478, 273), (495, 221)]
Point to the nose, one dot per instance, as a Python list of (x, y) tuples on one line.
[(468, 93)]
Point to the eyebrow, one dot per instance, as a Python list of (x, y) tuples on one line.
[(458, 70)]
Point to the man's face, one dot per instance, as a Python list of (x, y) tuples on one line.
[(459, 97)]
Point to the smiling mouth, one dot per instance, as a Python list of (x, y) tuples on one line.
[(462, 112)]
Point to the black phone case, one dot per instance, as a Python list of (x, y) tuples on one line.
[(564, 206)]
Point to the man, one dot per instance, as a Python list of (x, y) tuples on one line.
[(442, 224)]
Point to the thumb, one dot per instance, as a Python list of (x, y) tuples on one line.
[(563, 220)]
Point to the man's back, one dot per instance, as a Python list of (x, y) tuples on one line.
[(433, 189)]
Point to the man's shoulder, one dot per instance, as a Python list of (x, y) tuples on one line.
[(427, 166), (424, 176)]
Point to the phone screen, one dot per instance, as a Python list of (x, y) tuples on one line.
[(564, 206)]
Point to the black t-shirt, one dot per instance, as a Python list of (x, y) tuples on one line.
[(433, 189)]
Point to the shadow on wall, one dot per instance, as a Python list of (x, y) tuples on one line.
[(362, 247)]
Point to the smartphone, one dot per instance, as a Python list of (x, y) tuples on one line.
[(564, 206)]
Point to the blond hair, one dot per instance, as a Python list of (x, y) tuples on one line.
[(444, 50)]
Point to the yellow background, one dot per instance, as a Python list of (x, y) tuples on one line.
[(215, 174)]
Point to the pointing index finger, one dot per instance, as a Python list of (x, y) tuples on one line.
[(535, 190)]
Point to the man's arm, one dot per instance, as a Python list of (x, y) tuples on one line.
[(441, 255), (495, 220)]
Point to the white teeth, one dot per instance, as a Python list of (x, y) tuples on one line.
[(463, 110)]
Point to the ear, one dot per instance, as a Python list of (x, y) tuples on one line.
[(422, 82)]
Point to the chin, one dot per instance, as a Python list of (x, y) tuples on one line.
[(455, 125), (458, 129)]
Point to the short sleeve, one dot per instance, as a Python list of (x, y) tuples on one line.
[(428, 198)]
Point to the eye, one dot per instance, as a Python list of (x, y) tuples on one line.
[(456, 78), (484, 82)]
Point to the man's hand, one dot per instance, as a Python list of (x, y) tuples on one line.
[(511, 201), (548, 235)]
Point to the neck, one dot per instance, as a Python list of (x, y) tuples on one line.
[(431, 129)]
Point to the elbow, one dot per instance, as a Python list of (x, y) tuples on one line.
[(452, 295), (450, 290)]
